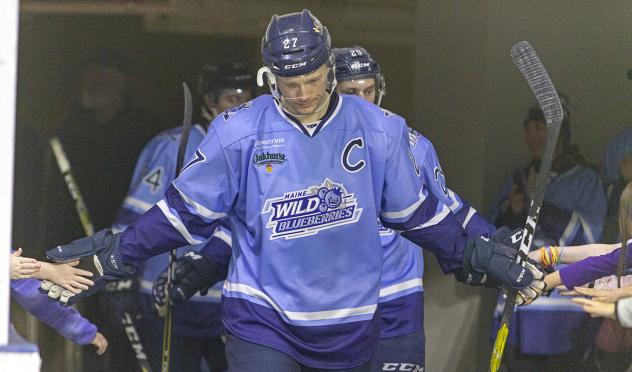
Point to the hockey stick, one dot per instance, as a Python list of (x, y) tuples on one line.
[(533, 71), (86, 223), (182, 147), (64, 167)]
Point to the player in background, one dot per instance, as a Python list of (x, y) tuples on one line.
[(65, 320), (402, 337), (552, 331), (302, 175), (196, 325)]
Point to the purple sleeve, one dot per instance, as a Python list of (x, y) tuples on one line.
[(592, 268), (65, 320), (474, 224), (219, 246)]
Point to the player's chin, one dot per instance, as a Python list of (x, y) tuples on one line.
[(303, 109)]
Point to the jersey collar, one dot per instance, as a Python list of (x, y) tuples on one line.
[(332, 110)]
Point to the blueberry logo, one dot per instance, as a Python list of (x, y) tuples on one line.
[(305, 212), (331, 198)]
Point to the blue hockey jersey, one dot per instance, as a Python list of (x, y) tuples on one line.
[(401, 292), (306, 262), (153, 173)]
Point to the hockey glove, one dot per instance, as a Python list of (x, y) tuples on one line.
[(513, 238), (193, 273), (99, 254), (492, 262)]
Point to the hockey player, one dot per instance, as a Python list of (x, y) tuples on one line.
[(302, 176), (196, 325), (402, 337), (401, 300)]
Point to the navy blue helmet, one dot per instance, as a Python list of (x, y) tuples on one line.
[(356, 63), (295, 44), (229, 75)]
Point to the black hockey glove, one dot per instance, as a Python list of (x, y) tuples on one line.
[(492, 262), (193, 273), (99, 254)]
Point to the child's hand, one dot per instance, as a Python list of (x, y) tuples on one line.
[(100, 342), (536, 256), (67, 276), (23, 267), (596, 309), (604, 295)]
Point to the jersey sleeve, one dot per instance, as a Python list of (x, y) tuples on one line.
[(408, 206), (435, 179), (593, 268), (473, 222), (192, 207), (65, 320), (431, 171), (219, 246)]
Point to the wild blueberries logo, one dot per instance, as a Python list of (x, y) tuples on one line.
[(230, 112), (305, 212), (267, 158)]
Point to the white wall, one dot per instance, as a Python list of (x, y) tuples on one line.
[(8, 63)]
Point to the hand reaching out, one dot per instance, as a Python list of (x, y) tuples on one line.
[(100, 342), (596, 309), (604, 295), (23, 267), (66, 275)]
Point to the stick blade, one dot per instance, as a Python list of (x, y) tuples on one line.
[(530, 66), (499, 347)]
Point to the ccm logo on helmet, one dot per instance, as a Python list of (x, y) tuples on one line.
[(295, 65)]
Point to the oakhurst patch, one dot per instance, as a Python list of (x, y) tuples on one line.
[(305, 212), (268, 158)]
